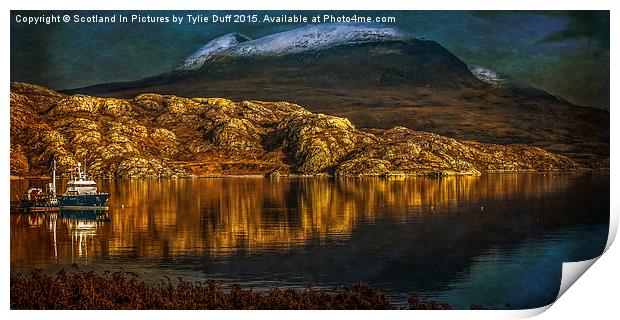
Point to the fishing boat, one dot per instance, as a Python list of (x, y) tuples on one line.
[(37, 199), (82, 193)]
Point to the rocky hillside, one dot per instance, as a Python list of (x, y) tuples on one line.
[(162, 135)]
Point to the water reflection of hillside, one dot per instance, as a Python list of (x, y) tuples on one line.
[(218, 217)]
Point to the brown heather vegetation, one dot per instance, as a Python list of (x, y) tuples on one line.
[(156, 135), (122, 290)]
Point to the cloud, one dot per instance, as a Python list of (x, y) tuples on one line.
[(590, 25)]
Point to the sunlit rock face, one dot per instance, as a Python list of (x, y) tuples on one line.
[(166, 136), (317, 142)]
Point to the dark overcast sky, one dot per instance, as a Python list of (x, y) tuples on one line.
[(565, 53)]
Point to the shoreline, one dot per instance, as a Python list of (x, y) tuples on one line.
[(326, 175)]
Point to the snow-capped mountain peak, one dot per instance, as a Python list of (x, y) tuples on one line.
[(313, 37), (307, 38), (217, 45)]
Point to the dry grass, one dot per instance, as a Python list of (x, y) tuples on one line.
[(123, 290)]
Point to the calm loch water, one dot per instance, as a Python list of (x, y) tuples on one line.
[(492, 240)]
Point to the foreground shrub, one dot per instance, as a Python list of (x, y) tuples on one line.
[(123, 290)]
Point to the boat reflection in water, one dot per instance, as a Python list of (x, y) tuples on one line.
[(80, 226)]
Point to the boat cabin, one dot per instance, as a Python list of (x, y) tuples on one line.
[(79, 185)]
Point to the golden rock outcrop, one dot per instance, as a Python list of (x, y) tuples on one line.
[(156, 135)]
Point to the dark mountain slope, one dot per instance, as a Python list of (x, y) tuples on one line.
[(389, 82)]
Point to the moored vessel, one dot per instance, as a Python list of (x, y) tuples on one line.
[(37, 199), (82, 193)]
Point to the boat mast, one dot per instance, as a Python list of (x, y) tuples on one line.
[(54, 180)]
